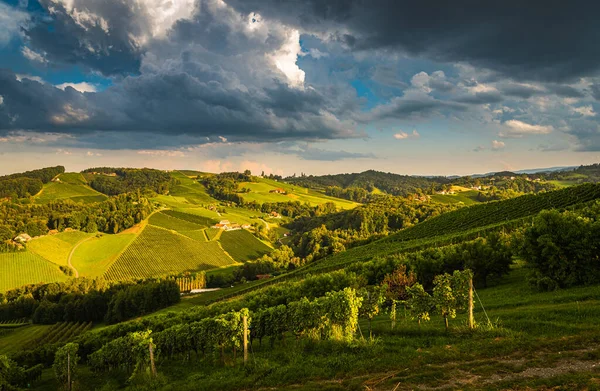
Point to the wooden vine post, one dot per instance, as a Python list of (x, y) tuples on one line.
[(152, 366), (245, 319), (69, 370), (471, 319)]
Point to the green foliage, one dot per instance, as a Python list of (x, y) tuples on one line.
[(126, 180), (65, 363), (420, 302), (563, 248), (372, 299)]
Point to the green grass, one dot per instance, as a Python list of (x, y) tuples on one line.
[(539, 339), (16, 339), (466, 197), (56, 248), (71, 186), (214, 233), (18, 269), (243, 246), (158, 251), (190, 190), (260, 192), (93, 257), (166, 221)]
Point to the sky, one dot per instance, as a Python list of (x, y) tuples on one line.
[(302, 86)]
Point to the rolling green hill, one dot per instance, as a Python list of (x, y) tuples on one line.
[(157, 251), (243, 246), (94, 256), (261, 192), (70, 186), (56, 248), (17, 269)]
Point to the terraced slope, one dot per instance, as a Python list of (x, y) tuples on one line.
[(243, 246), (157, 251)]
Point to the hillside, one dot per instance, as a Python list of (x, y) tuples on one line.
[(71, 186), (388, 182), (267, 190)]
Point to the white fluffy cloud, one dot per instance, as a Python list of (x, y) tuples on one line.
[(33, 55), (586, 111), (403, 135), (496, 145), (516, 128), (286, 56), (81, 87)]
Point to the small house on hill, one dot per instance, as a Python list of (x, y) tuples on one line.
[(22, 238), (224, 222), (275, 215), (279, 190)]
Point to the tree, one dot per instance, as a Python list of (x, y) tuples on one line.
[(419, 302), (397, 282), (444, 298), (372, 298), (65, 364)]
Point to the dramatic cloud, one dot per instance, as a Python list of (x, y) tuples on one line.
[(33, 56), (512, 37), (81, 87), (11, 20)]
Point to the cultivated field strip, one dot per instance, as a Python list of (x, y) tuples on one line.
[(243, 246), (158, 252), (22, 268)]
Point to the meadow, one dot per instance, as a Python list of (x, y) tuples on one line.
[(94, 256)]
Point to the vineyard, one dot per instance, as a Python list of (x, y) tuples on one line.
[(56, 248), (71, 186), (157, 252), (214, 233), (497, 212), (93, 257), (33, 336), (22, 268), (243, 246), (192, 218), (166, 221)]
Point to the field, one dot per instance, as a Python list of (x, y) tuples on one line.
[(467, 197), (56, 248), (166, 221), (243, 246), (158, 251), (17, 269), (36, 335), (260, 192), (94, 256), (190, 190), (72, 186), (214, 233)]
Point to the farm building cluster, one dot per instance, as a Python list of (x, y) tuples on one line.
[(229, 226)]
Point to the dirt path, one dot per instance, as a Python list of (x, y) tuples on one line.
[(73, 252), (267, 224)]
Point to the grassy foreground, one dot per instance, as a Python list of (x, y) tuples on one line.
[(535, 340)]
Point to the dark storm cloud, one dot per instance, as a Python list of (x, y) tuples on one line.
[(173, 104), (99, 39), (407, 108), (553, 40), (481, 98)]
